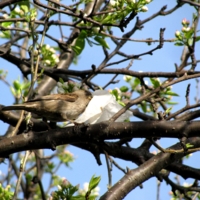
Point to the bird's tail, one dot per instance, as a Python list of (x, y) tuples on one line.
[(14, 107)]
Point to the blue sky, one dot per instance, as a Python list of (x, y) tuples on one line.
[(162, 60)]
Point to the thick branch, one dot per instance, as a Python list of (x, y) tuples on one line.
[(147, 170), (71, 135), (83, 73), (8, 2)]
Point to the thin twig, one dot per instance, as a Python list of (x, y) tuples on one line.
[(22, 167), (109, 169)]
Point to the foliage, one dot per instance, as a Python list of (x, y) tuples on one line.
[(5, 193), (43, 39), (68, 191)]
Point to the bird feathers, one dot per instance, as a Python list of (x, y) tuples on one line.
[(56, 107)]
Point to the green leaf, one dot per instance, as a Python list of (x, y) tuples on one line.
[(29, 178), (24, 5), (179, 44), (135, 83), (168, 110), (80, 43), (172, 103), (188, 145), (189, 34), (79, 46), (49, 167), (83, 34), (155, 82), (107, 19), (102, 42), (190, 41), (6, 34), (79, 197), (72, 190), (171, 93), (144, 107), (17, 85), (197, 38), (121, 103), (94, 181), (25, 93), (6, 24), (13, 90), (115, 93), (61, 80), (31, 15), (124, 89), (25, 85)]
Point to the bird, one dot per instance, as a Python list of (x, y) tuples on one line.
[(56, 107)]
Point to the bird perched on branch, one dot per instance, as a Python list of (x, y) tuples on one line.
[(56, 107)]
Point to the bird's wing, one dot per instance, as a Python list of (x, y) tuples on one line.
[(65, 97)]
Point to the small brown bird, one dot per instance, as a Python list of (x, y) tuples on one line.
[(56, 107)]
